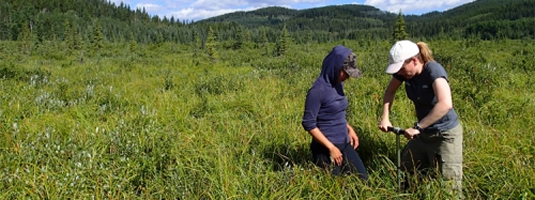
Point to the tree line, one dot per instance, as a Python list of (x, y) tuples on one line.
[(80, 21)]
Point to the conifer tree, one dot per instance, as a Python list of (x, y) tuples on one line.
[(265, 41), (26, 37), (78, 40), (399, 30), (247, 36), (159, 39), (211, 44), (282, 42), (196, 43), (308, 38), (133, 43), (97, 37), (239, 38), (67, 35)]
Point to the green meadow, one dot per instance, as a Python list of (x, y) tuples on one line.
[(168, 121)]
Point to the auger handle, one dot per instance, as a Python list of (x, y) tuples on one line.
[(396, 130)]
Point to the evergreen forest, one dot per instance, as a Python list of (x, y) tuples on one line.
[(62, 20)]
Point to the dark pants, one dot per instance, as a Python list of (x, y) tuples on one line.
[(351, 160)]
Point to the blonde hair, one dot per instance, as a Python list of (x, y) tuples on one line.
[(425, 54)]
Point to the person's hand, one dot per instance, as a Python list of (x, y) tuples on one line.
[(411, 132), (353, 139), (384, 124), (336, 156)]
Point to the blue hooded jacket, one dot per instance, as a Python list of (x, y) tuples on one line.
[(326, 103)]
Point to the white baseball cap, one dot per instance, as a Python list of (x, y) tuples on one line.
[(400, 52)]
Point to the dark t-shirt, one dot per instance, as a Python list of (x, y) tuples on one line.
[(420, 90)]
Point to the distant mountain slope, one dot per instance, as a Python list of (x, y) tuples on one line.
[(485, 18), (481, 17), (493, 10), (261, 17), (276, 16)]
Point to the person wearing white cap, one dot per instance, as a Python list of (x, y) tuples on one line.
[(435, 140)]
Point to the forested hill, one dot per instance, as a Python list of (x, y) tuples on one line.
[(82, 19), (306, 19), (488, 19), (52, 19)]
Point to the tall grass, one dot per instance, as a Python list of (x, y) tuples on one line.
[(168, 123)]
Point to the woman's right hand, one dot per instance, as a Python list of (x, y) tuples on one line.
[(336, 156), (384, 124)]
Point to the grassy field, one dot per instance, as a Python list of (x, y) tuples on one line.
[(165, 122)]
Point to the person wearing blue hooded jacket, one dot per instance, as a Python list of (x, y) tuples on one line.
[(333, 140)]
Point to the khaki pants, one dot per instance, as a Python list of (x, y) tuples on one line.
[(441, 149)]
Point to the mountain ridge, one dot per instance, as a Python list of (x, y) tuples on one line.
[(461, 20)]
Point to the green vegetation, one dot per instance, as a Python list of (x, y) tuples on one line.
[(110, 103), (167, 122)]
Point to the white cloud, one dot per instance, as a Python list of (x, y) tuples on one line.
[(174, 4), (151, 8), (118, 2), (218, 4), (237, 4), (190, 13), (409, 6), (202, 9)]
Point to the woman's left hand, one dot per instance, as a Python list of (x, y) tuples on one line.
[(411, 132), (353, 139)]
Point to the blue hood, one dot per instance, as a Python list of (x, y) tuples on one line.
[(332, 64), (326, 103)]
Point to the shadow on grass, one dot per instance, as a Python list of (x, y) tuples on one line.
[(296, 153), (287, 155), (372, 148)]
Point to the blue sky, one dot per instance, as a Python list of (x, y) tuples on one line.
[(202, 9)]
